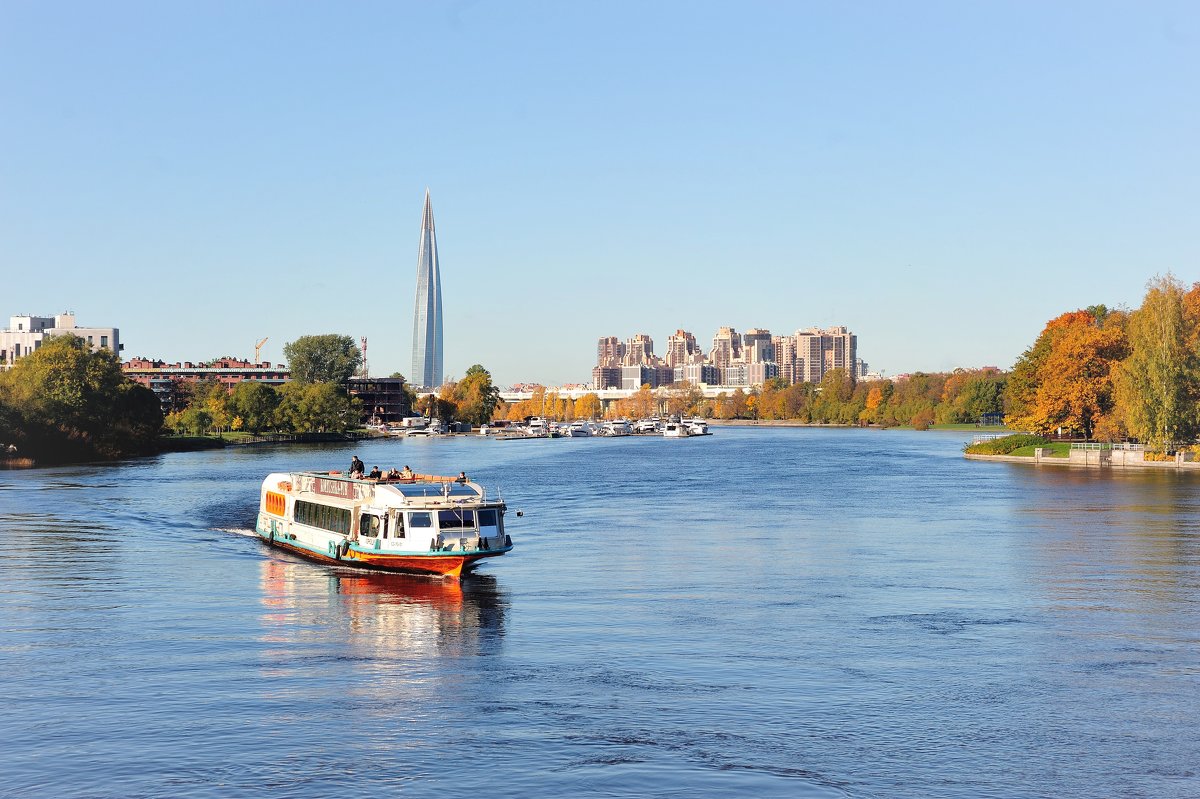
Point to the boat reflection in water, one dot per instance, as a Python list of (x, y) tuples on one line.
[(374, 624)]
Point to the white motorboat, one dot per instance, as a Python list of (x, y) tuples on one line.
[(674, 429), (616, 427), (577, 429)]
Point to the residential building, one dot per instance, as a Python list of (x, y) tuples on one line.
[(639, 351), (757, 346), (26, 333), (682, 349), (726, 349), (748, 359), (606, 377), (785, 356), (610, 351), (169, 381), (635, 376)]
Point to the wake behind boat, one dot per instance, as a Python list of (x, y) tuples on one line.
[(423, 524)]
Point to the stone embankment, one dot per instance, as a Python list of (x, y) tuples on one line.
[(1096, 458)]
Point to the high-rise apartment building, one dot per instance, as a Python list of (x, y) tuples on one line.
[(757, 346), (749, 359), (785, 356), (726, 349), (682, 349), (639, 351), (427, 315), (610, 351)]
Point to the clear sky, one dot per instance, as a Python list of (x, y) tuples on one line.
[(942, 178)]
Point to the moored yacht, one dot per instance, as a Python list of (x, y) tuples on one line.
[(675, 429)]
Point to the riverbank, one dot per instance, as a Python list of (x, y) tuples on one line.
[(794, 423), (195, 444), (1088, 459)]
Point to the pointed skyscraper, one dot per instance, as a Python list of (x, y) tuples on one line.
[(427, 315)]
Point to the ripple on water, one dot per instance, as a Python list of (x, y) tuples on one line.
[(769, 613)]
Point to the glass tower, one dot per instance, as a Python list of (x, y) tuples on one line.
[(427, 314)]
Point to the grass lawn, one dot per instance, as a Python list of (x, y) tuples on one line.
[(1058, 449)]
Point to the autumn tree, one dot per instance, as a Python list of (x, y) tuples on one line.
[(1158, 385), (474, 396), (587, 406), (1065, 380), (682, 399)]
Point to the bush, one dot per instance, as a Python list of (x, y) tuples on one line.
[(1005, 444)]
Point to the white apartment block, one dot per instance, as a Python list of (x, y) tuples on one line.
[(26, 333)]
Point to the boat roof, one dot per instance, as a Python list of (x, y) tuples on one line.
[(436, 489)]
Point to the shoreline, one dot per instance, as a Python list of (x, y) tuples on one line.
[(1184, 466)]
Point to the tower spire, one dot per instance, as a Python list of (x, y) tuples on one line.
[(427, 313)]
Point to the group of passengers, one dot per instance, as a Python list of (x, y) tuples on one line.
[(359, 470)]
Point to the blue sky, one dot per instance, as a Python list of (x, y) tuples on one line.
[(942, 178)]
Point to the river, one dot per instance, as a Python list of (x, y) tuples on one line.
[(761, 612)]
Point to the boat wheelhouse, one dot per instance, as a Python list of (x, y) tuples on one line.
[(422, 524)]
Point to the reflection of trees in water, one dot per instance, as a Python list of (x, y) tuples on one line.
[(381, 621), (1114, 537)]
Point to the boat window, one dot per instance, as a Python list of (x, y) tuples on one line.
[(399, 530), (489, 518), (420, 520), (456, 519), (368, 525), (326, 517)]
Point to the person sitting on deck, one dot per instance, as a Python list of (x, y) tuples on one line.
[(406, 473), (462, 477), (375, 474), (394, 474), (356, 467)]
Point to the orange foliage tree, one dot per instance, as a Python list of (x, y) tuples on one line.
[(1065, 380)]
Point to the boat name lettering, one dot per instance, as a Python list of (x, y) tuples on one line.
[(334, 488)]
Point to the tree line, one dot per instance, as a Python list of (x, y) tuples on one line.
[(64, 403), (315, 400), (919, 400), (1111, 374)]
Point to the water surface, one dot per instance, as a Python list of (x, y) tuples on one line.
[(763, 612)]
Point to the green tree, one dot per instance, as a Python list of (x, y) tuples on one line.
[(316, 408), (73, 403), (328, 358), (1158, 385), (255, 404)]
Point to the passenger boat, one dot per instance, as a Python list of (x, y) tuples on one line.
[(423, 525)]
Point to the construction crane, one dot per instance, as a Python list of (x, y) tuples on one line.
[(365, 374), (258, 350)]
